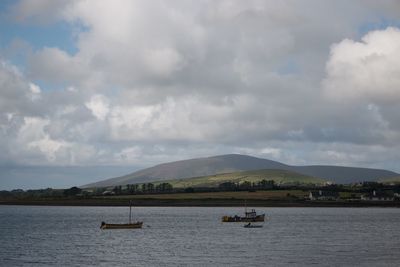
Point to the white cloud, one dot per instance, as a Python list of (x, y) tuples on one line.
[(129, 155), (365, 77), (55, 65), (36, 92), (99, 106), (33, 138), (367, 70), (34, 88), (163, 62), (170, 120), (48, 147)]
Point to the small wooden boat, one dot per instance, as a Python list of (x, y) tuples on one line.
[(249, 225), (129, 225), (121, 225)]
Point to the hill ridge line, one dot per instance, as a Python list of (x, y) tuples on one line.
[(205, 166)]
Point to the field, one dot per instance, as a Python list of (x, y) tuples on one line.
[(279, 177), (271, 198), (242, 195), (392, 180)]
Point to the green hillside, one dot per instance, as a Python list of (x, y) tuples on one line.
[(394, 180), (232, 163), (279, 176)]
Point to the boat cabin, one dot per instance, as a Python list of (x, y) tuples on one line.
[(251, 214)]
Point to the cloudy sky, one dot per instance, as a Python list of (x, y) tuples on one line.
[(93, 89)]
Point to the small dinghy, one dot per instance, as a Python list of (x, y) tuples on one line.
[(249, 225), (121, 225)]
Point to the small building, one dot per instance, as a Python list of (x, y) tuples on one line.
[(323, 195), (378, 196), (108, 193)]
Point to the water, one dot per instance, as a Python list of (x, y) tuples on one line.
[(70, 236)]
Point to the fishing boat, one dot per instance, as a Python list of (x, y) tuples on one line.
[(250, 216), (129, 225)]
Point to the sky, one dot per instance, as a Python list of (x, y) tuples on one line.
[(91, 89)]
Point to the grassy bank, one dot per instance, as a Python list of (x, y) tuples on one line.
[(283, 198)]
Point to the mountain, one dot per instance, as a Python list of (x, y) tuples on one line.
[(344, 175), (193, 168), (235, 163)]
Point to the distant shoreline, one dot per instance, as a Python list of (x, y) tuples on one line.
[(200, 203)]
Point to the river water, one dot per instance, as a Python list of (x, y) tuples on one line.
[(193, 236)]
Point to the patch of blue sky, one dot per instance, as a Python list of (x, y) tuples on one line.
[(18, 39), (379, 24), (36, 37), (6, 4), (47, 86), (60, 35), (289, 67)]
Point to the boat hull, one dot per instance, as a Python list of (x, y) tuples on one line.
[(258, 218), (121, 226)]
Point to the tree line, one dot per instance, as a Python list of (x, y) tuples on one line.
[(130, 189), (160, 188)]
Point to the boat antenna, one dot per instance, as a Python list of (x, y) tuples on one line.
[(130, 211)]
